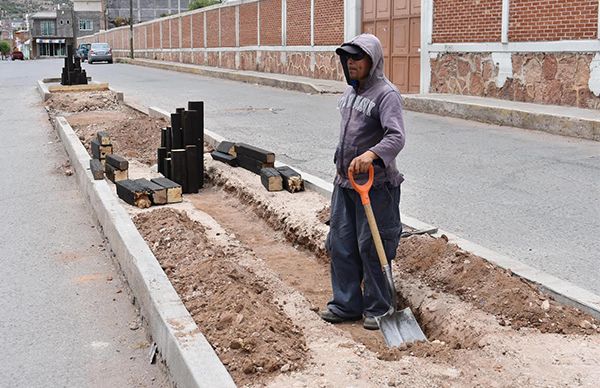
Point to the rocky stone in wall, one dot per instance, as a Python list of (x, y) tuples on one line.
[(546, 78)]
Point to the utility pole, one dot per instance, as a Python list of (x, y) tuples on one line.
[(131, 28)]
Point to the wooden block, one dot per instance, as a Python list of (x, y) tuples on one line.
[(292, 181), (100, 151), (158, 194), (103, 138), (271, 179), (117, 161), (115, 175), (255, 153), (227, 147), (173, 189), (198, 106), (179, 169), (251, 164), (161, 154), (167, 167), (97, 169), (225, 158), (190, 122), (133, 193), (192, 168), (78, 88)]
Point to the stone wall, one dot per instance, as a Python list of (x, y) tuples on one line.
[(557, 78)]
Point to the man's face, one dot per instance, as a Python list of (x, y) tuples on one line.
[(359, 66)]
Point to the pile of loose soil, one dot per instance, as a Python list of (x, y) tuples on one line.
[(251, 335), (83, 101), (134, 135), (514, 301), (435, 263)]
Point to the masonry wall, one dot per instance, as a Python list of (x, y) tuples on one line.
[(558, 75), (246, 35)]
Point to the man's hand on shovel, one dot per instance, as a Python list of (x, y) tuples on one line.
[(361, 163)]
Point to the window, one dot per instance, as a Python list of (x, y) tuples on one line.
[(85, 25), (48, 27)]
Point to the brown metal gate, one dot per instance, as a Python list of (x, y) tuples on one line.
[(397, 23)]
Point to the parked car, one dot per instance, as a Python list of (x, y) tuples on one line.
[(82, 51), (100, 52), (16, 54)]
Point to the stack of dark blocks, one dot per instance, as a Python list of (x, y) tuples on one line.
[(144, 193), (72, 73), (260, 162), (181, 151)]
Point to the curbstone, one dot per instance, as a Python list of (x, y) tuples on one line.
[(190, 359), (268, 79), (43, 90), (520, 115)]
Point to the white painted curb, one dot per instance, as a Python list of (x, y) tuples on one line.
[(561, 290), (190, 359)]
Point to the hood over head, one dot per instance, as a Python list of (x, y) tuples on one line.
[(371, 45)]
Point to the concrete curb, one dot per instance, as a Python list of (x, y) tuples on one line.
[(190, 359), (557, 124), (43, 90), (561, 290), (269, 79)]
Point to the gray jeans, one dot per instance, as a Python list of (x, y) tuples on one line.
[(354, 261)]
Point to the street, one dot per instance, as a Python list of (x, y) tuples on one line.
[(67, 317)]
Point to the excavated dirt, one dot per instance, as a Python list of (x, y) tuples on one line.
[(252, 269), (83, 101), (233, 309), (134, 135)]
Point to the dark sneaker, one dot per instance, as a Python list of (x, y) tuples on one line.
[(331, 317), (370, 323)]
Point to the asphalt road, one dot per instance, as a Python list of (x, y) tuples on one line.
[(529, 195), (65, 313)]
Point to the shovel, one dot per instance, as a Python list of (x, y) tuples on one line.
[(397, 327)]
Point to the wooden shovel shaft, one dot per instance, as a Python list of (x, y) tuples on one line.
[(376, 237)]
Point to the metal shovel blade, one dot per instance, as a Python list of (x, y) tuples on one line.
[(400, 327)]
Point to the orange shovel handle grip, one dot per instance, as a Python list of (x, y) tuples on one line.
[(363, 190)]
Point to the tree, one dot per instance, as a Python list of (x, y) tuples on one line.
[(195, 4), (120, 21), (4, 47)]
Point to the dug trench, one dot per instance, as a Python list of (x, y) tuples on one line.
[(251, 268)]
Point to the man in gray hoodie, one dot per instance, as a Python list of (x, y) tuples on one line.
[(372, 133)]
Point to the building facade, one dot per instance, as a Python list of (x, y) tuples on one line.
[(89, 16), (144, 10)]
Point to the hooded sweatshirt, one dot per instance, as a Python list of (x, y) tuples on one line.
[(371, 120)]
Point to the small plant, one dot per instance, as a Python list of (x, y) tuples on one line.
[(120, 21), (195, 4), (4, 47)]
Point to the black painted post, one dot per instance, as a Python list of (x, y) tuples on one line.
[(198, 106), (192, 168), (178, 168)]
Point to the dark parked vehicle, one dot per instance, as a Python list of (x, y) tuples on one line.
[(17, 55), (100, 52), (82, 51)]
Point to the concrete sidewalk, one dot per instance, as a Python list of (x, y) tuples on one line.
[(558, 120)]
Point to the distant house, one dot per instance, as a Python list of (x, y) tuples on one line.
[(89, 17), (51, 31), (144, 10)]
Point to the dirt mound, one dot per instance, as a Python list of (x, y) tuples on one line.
[(514, 301), (83, 101), (134, 135), (432, 261), (252, 336)]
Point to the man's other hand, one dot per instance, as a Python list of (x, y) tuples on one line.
[(361, 163)]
